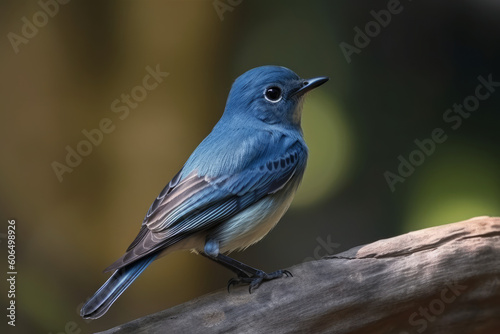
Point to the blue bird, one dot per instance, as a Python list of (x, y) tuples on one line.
[(232, 190)]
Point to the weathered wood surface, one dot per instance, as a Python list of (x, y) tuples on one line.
[(443, 279)]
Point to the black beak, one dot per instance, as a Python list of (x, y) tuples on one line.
[(309, 84)]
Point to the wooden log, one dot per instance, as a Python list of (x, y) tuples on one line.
[(444, 279)]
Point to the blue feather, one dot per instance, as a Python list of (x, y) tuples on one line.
[(234, 187), (121, 279)]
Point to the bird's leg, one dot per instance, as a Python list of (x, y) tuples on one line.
[(236, 270), (246, 274)]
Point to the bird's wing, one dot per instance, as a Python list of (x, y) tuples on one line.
[(198, 203)]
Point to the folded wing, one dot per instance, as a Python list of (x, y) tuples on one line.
[(196, 203)]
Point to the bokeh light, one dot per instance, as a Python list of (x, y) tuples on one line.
[(458, 183), (330, 139)]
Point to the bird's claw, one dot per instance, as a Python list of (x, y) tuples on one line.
[(256, 280)]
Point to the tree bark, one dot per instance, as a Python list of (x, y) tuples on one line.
[(443, 279)]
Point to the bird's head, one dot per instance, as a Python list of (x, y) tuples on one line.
[(269, 94)]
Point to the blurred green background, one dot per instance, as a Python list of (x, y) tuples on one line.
[(394, 90)]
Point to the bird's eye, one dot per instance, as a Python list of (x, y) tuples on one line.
[(273, 94)]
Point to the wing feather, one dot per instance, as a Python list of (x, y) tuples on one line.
[(195, 203)]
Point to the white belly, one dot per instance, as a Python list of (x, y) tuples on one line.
[(251, 225)]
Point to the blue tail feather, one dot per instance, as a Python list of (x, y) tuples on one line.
[(121, 279)]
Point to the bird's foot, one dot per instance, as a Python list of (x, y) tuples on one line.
[(257, 279)]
